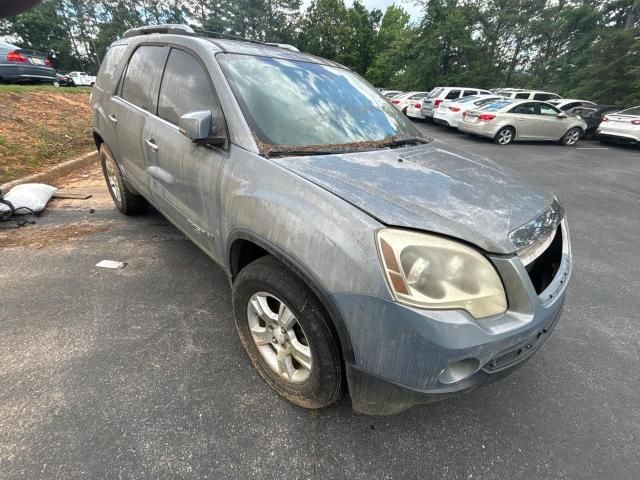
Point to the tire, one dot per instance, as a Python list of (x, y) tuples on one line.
[(571, 137), (504, 136), (125, 200), (315, 381)]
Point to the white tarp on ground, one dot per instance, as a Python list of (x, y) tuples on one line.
[(32, 196)]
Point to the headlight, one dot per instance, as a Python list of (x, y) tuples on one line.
[(428, 271)]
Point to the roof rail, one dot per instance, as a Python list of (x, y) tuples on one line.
[(173, 28), (181, 29), (228, 36)]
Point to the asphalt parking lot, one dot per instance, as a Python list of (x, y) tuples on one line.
[(139, 373)]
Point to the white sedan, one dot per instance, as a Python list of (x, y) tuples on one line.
[(402, 101), (623, 125), (450, 113)]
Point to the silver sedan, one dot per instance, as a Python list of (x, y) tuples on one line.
[(508, 120)]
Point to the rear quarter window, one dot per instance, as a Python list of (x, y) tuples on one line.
[(110, 66)]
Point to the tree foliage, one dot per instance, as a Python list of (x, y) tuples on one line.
[(584, 48)]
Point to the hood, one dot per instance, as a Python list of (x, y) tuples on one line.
[(431, 189)]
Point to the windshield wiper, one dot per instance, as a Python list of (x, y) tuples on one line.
[(399, 142), (285, 152)]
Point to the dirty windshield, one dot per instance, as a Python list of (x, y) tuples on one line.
[(302, 105)]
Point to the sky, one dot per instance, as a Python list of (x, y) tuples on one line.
[(408, 5)]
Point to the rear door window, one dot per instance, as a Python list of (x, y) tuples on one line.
[(528, 108), (452, 94), (544, 96), (522, 96), (468, 93), (142, 78), (186, 87)]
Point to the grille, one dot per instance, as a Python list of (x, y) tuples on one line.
[(544, 268)]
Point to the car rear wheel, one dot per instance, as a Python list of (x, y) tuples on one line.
[(286, 334), (504, 136), (125, 200), (571, 137)]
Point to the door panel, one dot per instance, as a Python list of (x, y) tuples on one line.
[(184, 178), (128, 122)]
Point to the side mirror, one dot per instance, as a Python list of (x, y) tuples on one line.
[(562, 115), (196, 125)]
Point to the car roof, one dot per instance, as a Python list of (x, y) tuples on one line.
[(242, 47)]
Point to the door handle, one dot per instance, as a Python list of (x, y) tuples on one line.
[(151, 144), (113, 118)]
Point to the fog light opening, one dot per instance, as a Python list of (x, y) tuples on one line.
[(458, 371)]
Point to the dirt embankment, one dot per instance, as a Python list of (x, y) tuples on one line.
[(42, 127)]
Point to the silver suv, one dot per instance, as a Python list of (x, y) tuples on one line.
[(360, 254)]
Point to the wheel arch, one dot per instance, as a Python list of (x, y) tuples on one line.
[(243, 247)]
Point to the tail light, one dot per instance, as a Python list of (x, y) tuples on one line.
[(48, 62), (486, 117), (454, 109), (605, 119), (437, 103), (395, 102), (418, 106), (16, 57), (635, 122)]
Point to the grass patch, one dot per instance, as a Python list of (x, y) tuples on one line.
[(15, 88), (41, 126)]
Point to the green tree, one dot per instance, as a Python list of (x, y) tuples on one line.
[(393, 45)]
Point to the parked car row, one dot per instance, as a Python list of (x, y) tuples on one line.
[(507, 115), (18, 65)]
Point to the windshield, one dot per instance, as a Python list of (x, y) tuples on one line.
[(302, 104)]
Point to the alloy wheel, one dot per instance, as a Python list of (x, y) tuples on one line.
[(572, 137), (505, 136), (279, 337)]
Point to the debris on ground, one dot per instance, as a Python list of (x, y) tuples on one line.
[(25, 199), (110, 264)]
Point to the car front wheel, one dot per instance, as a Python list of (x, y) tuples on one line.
[(571, 137), (504, 136), (286, 334)]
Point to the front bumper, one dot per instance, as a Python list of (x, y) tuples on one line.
[(401, 352)]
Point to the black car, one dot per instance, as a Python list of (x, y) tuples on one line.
[(23, 65), (64, 81), (593, 116)]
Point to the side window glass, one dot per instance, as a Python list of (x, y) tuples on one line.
[(542, 96), (468, 93), (548, 110), (452, 94), (143, 76), (185, 88), (522, 95), (524, 109)]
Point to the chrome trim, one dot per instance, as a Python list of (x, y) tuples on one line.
[(538, 228)]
